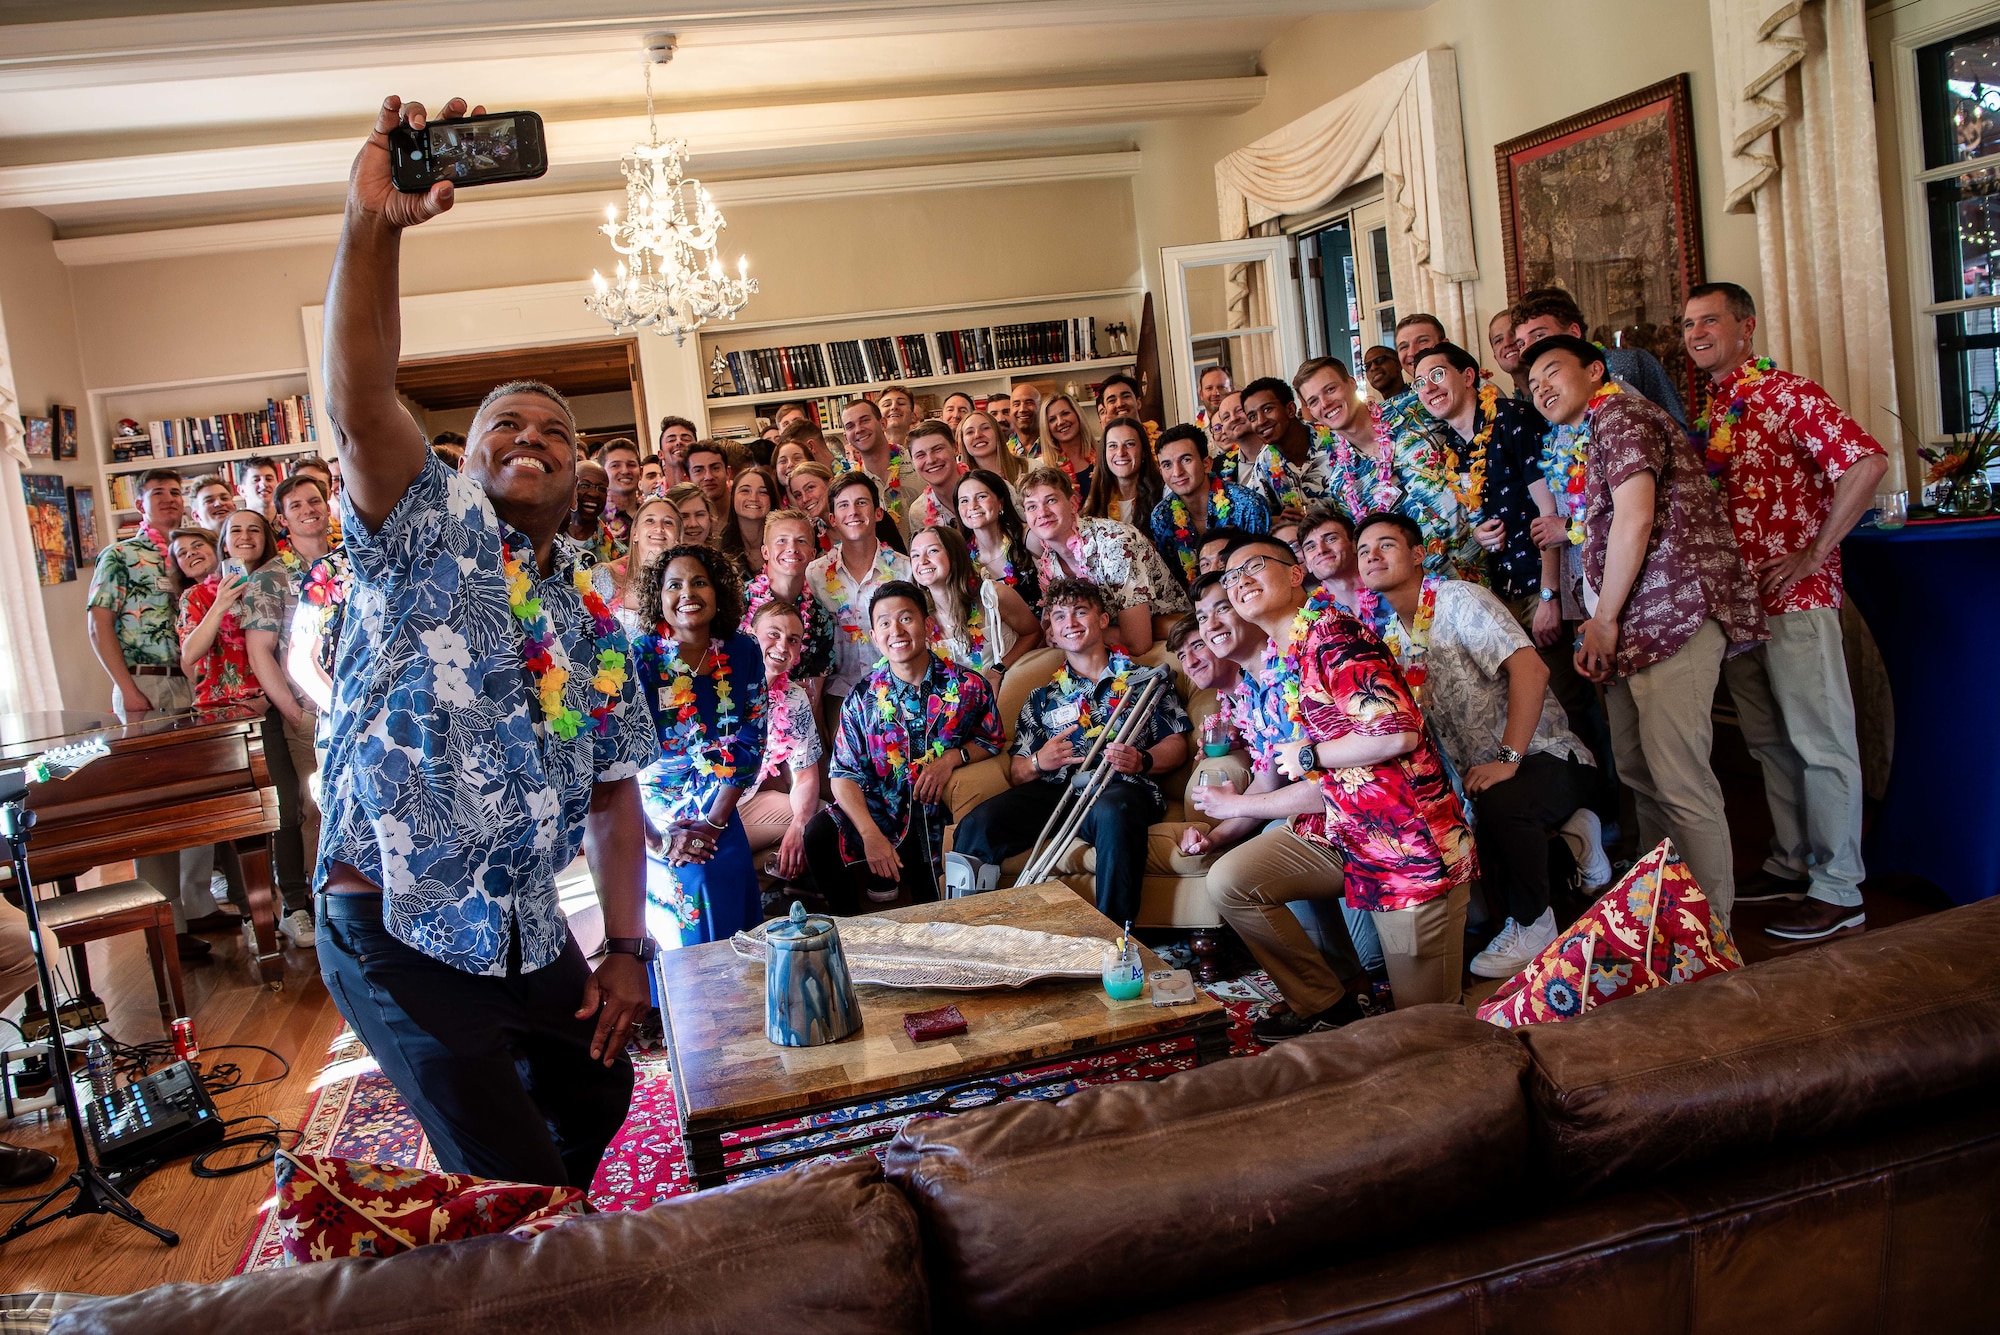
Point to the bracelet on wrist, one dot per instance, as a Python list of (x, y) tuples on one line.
[(710, 823)]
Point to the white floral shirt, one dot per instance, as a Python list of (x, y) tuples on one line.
[(846, 601), (1121, 561)]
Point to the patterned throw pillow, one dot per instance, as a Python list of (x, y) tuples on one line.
[(330, 1207), (1653, 928)]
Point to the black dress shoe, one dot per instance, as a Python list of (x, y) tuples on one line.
[(1766, 888), (215, 922), (21, 1167), (191, 947)]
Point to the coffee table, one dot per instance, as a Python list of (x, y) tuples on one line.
[(728, 1077)]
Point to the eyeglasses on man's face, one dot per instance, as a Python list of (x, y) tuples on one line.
[(1254, 566)]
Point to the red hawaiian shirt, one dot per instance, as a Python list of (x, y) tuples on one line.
[(1791, 445), (224, 673), (1399, 824)]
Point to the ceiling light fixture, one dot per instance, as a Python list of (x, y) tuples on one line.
[(670, 278)]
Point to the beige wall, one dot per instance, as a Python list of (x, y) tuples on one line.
[(161, 320), (1521, 64), (41, 338)]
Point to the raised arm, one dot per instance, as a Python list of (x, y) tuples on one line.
[(381, 448)]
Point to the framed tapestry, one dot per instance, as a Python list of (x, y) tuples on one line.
[(83, 522), (48, 526), (1605, 205)]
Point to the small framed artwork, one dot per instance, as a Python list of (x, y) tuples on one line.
[(41, 437), (1604, 205), (48, 526), (64, 417), (83, 524)]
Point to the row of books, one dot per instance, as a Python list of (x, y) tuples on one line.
[(124, 487), (286, 421), (772, 370), (1004, 346), (857, 361)]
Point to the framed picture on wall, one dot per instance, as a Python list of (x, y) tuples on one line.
[(83, 524), (48, 526), (41, 437), (64, 418), (1605, 205)]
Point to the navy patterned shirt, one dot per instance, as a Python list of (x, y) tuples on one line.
[(1069, 700), (442, 785)]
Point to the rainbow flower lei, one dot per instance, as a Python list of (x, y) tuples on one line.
[(689, 734), (538, 638), (1473, 493), (1219, 508), (1566, 465), (1417, 670), (1066, 684), (1383, 493), (1717, 433), (895, 737)]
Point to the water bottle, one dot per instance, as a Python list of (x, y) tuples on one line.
[(97, 1068)]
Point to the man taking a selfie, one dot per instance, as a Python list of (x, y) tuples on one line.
[(485, 726)]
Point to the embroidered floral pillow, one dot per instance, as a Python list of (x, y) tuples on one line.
[(330, 1207)]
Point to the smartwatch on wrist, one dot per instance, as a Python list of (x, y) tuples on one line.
[(1145, 761), (964, 756), (644, 947)]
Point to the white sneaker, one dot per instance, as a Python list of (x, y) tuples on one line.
[(1516, 947), (1585, 836), (298, 925)]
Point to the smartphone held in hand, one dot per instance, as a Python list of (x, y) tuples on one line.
[(468, 150)]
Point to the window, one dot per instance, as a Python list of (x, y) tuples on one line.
[(1232, 304), (1345, 287), (1958, 89)]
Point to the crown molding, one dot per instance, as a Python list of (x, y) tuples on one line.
[(321, 229), (603, 141)]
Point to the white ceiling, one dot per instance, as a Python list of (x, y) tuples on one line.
[(151, 112)]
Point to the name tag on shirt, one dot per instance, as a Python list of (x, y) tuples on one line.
[(1062, 716)]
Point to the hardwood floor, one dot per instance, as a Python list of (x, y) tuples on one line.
[(213, 1216)]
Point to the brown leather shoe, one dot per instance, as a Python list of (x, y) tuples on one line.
[(1814, 919), (23, 1167)]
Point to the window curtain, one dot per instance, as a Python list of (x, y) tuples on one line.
[(27, 665), (1798, 119), (1402, 125)]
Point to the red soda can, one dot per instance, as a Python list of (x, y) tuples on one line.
[(185, 1046)]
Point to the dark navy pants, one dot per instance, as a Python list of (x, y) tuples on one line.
[(497, 1070)]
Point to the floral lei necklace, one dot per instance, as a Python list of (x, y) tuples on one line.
[(688, 732), (1291, 661), (1473, 492), (850, 624), (895, 736), (538, 637), (1563, 461), (1718, 432), (1383, 493), (1067, 684), (1219, 509), (777, 718), (1418, 644)]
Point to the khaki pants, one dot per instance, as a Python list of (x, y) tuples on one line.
[(1661, 730), (766, 816), (1423, 948), (1254, 883), (182, 877), (17, 960), (1797, 715)]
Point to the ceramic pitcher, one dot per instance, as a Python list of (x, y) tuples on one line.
[(808, 997)]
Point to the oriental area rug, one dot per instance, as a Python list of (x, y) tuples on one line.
[(358, 1115)]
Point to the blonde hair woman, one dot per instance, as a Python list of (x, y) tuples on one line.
[(1066, 441)]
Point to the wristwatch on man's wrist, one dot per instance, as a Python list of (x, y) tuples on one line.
[(1548, 595), (1509, 756), (644, 947), (1307, 756)]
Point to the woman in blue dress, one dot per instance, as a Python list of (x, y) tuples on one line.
[(704, 680)]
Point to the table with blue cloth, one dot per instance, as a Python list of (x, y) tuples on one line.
[(1931, 595)]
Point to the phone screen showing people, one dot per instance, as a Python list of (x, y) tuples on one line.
[(506, 146)]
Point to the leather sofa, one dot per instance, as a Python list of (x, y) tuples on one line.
[(1808, 1145), (1174, 892)]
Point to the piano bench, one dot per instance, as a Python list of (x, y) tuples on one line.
[(112, 910)]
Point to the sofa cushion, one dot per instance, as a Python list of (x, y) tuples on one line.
[(1231, 1174), (329, 1207), (1792, 1047), (828, 1248)]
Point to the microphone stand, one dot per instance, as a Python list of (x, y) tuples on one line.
[(94, 1193)]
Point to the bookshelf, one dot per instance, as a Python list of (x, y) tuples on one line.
[(176, 400), (1042, 338)]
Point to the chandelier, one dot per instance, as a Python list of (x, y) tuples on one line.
[(669, 279)]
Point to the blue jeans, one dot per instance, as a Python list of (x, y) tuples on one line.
[(721, 894), (497, 1070)]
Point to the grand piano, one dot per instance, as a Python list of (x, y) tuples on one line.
[(171, 781)]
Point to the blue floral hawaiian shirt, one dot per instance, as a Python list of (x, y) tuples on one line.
[(1069, 700), (886, 724), (1420, 487), (1238, 507), (441, 784), (698, 754)]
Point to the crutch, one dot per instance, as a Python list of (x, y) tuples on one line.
[(1089, 783), (1055, 817)]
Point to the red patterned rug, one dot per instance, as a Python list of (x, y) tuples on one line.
[(358, 1115)]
